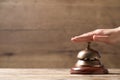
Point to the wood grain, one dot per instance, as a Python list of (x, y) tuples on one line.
[(34, 31), (54, 74)]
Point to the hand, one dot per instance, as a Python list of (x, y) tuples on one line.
[(100, 35)]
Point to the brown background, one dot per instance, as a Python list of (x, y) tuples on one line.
[(36, 33)]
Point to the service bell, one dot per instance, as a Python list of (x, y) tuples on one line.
[(88, 62)]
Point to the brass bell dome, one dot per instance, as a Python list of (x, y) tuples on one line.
[(88, 54)]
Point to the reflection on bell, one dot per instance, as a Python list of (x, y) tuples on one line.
[(88, 62)]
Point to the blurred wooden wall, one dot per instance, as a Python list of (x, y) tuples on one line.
[(36, 33)]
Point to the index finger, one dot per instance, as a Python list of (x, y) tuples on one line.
[(83, 38)]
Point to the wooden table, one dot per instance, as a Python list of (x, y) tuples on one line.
[(53, 74)]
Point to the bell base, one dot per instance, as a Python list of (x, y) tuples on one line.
[(89, 70)]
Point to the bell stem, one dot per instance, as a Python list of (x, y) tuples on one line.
[(88, 47)]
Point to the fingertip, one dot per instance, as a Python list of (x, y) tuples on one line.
[(73, 39)]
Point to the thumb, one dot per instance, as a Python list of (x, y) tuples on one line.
[(101, 38)]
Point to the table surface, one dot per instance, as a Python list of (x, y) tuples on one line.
[(53, 74)]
